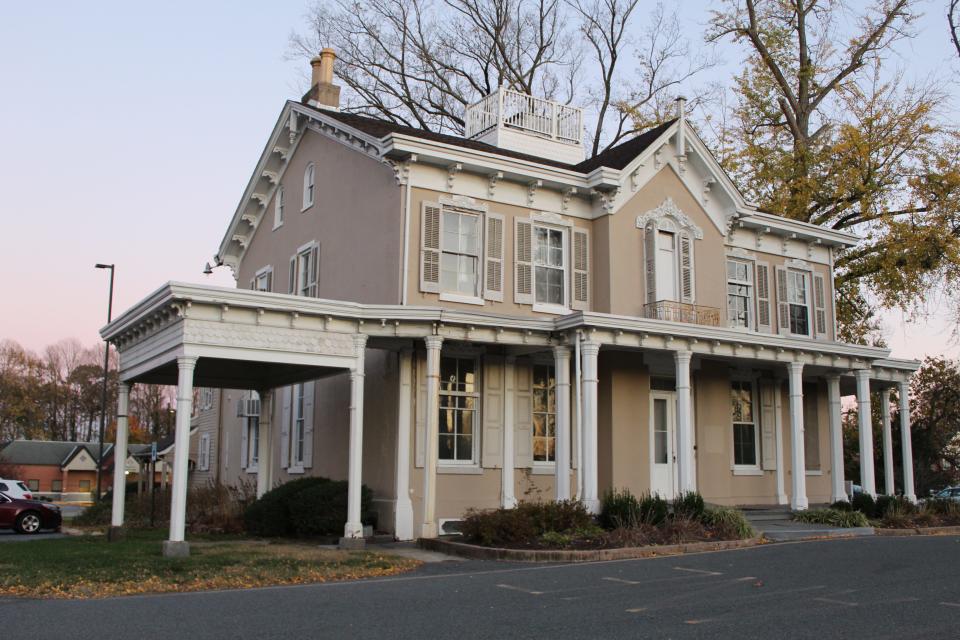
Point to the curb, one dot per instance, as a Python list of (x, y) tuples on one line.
[(476, 552), (918, 531)]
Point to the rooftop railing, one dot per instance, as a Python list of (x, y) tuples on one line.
[(514, 110)]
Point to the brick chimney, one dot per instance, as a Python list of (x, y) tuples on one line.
[(323, 93)]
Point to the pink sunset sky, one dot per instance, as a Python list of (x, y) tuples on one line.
[(129, 131)]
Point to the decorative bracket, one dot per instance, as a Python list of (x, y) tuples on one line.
[(707, 184), (760, 233), (492, 182), (607, 198), (658, 159), (635, 179), (567, 194), (452, 171), (532, 187), (271, 176)]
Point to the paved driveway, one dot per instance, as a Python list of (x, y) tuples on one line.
[(857, 588)]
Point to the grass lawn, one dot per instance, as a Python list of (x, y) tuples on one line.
[(90, 567)]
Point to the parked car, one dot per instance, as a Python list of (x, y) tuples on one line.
[(28, 516), (950, 493), (15, 489)]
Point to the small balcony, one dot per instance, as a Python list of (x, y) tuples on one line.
[(682, 312)]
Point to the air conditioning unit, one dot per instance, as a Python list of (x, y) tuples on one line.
[(248, 408)]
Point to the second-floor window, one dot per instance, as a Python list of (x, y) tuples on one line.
[(309, 185), (740, 293), (460, 257), (797, 298), (263, 280), (305, 271), (548, 266)]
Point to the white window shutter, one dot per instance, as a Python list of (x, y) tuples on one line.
[(763, 297), (581, 270), (650, 259), (292, 282), (420, 411), (431, 219), (270, 280), (687, 292), (820, 307), (523, 415), (285, 429), (492, 409), (493, 287), (308, 393), (523, 262), (244, 434), (768, 424), (314, 275), (783, 306), (253, 283)]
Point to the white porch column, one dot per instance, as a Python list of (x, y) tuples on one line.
[(176, 546), (403, 526), (353, 529), (431, 444), (507, 482), (561, 359), (119, 463), (684, 427), (906, 443), (265, 442), (837, 490), (590, 351), (888, 484), (865, 415), (798, 466)]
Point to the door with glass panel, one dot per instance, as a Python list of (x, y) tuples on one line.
[(663, 443)]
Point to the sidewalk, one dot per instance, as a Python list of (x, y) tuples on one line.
[(778, 525)]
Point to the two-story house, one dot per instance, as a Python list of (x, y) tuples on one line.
[(471, 321)]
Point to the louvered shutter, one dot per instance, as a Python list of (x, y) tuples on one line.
[(313, 277), (763, 297), (431, 220), (493, 281), (820, 307), (285, 429), (492, 409), (308, 393), (783, 305), (244, 429), (292, 282), (686, 268), (523, 262), (650, 258), (768, 424), (523, 416), (581, 270), (270, 280), (253, 284), (420, 411)]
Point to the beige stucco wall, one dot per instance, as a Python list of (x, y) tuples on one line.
[(356, 219)]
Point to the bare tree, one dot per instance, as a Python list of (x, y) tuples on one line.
[(420, 63), (953, 19)]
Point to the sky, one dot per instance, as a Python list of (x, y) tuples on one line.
[(128, 131)]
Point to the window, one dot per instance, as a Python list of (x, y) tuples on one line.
[(34, 485), (85, 485), (263, 280), (56, 485), (204, 455), (309, 185), (305, 271), (745, 433), (460, 257), (666, 265), (206, 399), (797, 298), (298, 423), (459, 399), (253, 441), (544, 414), (548, 267), (278, 205), (739, 293)]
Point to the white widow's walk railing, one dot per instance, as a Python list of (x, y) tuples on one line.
[(514, 110)]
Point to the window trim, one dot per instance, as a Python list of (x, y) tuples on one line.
[(306, 249), (751, 292), (477, 394), (808, 291), (309, 186), (263, 271), (757, 467), (479, 282), (564, 229), (278, 208)]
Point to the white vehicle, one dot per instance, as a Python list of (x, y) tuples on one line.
[(15, 489)]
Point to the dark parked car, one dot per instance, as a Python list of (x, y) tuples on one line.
[(28, 516)]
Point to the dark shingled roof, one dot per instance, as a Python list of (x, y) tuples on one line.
[(614, 158), (44, 452)]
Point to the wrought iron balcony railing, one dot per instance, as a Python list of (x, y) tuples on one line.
[(682, 312)]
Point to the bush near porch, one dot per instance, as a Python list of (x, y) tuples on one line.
[(624, 521), (305, 507), (889, 512)]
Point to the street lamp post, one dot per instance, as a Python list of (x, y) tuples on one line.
[(103, 396)]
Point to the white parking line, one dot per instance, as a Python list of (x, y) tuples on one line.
[(843, 602), (621, 580), (513, 588), (951, 604), (700, 571)]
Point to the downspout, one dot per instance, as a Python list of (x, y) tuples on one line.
[(579, 411)]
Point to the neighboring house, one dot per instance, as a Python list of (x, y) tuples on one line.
[(468, 321), (49, 467)]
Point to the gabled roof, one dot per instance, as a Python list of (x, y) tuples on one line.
[(47, 452)]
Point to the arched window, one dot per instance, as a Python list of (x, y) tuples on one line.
[(309, 185), (278, 205), (668, 253)]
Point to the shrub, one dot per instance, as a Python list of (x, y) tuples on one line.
[(833, 517), (269, 516), (689, 505), (865, 504), (321, 509), (881, 504), (728, 523), (619, 508), (653, 509), (841, 505), (942, 507), (682, 529), (526, 523)]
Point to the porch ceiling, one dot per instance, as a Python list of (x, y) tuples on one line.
[(236, 374)]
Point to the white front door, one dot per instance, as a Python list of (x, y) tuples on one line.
[(663, 444)]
